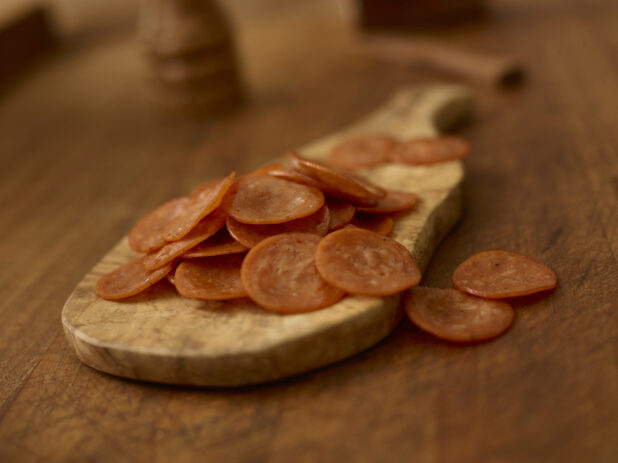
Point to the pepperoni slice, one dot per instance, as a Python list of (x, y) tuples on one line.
[(250, 235), (332, 191), (363, 151), (340, 214), (497, 274), (280, 275), (422, 151), (263, 199), (455, 316), (268, 168), (220, 244), (206, 201), (211, 278), (207, 227), (377, 223), (348, 184), (130, 279), (394, 201), (146, 235), (362, 262)]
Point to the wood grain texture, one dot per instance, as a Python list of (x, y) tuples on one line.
[(161, 336), (78, 165)]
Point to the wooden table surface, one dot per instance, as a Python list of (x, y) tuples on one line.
[(82, 156)]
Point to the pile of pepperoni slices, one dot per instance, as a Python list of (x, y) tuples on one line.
[(300, 239)]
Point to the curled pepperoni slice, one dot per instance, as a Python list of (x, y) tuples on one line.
[(263, 199), (363, 151), (207, 227), (394, 201), (221, 243), (211, 278), (362, 262), (280, 275), (250, 235), (430, 150), (455, 316), (146, 235), (334, 192), (377, 223), (340, 214), (346, 183), (130, 279), (268, 168), (497, 274), (205, 201)]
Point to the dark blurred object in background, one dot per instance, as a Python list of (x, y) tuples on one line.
[(388, 14), (190, 53), (25, 35)]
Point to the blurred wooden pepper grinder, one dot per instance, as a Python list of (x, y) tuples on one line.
[(191, 59)]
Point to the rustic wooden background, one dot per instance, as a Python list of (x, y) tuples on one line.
[(82, 156)]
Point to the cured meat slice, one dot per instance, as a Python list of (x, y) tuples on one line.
[(147, 234), (205, 201), (348, 184), (263, 199), (422, 151), (395, 201), (330, 190), (377, 223), (280, 275), (268, 168), (340, 214), (211, 278), (362, 262), (207, 227), (362, 151), (250, 235), (455, 316), (497, 274), (221, 243), (130, 279)]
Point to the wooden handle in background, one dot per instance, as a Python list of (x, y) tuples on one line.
[(471, 65)]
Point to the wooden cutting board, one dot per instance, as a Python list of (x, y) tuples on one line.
[(161, 336)]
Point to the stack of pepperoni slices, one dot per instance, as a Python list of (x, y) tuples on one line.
[(300, 239)]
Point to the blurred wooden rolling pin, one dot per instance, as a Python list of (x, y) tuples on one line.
[(471, 65)]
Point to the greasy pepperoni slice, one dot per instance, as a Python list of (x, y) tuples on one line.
[(267, 169), (146, 235), (421, 151), (130, 279), (221, 243), (280, 275), (340, 214), (207, 227), (346, 183), (362, 262), (497, 274), (263, 199), (377, 223), (394, 201), (205, 201), (295, 176), (329, 190), (250, 235), (455, 316), (211, 278), (362, 151)]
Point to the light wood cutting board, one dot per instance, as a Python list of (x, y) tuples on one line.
[(161, 336)]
